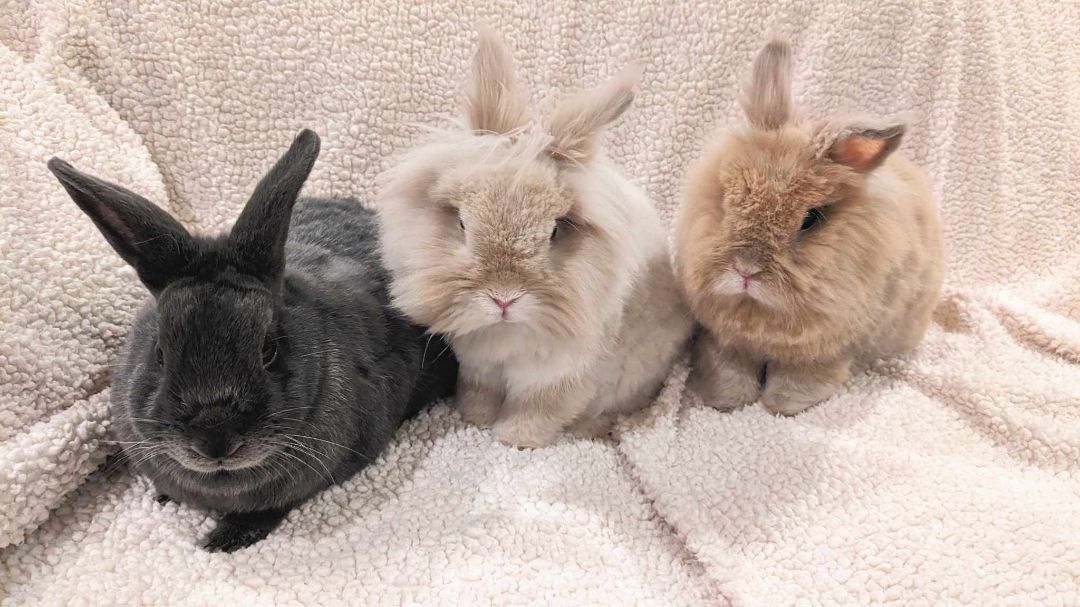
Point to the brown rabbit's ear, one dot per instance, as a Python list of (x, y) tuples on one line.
[(577, 121), (862, 145), (766, 96), (495, 102)]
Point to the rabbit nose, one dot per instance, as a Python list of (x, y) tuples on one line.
[(215, 446), (504, 303), (746, 266)]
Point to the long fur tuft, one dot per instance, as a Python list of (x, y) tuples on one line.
[(577, 121), (766, 97), (495, 102)]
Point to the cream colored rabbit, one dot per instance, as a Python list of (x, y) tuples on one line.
[(546, 268)]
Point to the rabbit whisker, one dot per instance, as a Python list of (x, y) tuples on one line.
[(310, 452), (339, 445)]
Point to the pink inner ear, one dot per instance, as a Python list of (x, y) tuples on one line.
[(859, 153), (109, 216)]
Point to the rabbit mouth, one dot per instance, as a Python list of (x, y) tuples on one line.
[(196, 462), (735, 282)]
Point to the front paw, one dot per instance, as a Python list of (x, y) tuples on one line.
[(524, 433), (241, 529), (785, 404), (724, 389), (599, 427), (790, 390), (477, 411), (227, 537), (791, 398)]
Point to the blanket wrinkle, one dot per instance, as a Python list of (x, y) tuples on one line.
[(951, 476)]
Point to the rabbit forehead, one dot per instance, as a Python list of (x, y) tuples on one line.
[(208, 314), (773, 175), (511, 197)]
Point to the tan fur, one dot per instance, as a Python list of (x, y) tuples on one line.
[(494, 102), (859, 285), (468, 218)]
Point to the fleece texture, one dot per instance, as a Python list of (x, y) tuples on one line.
[(949, 477)]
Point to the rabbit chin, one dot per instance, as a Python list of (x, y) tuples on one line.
[(242, 459)]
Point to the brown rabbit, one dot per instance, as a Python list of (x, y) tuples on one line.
[(804, 249)]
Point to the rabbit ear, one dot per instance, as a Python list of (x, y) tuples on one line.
[(766, 97), (258, 237), (145, 236), (578, 120), (495, 101), (861, 145)]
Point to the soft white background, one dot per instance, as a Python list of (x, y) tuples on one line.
[(949, 477)]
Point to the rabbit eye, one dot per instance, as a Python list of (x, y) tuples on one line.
[(461, 223), (160, 356), (813, 217), (269, 352), (560, 227)]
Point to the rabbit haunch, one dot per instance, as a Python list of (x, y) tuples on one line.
[(545, 267), (806, 249)]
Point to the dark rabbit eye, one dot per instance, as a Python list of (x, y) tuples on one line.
[(269, 352), (160, 356), (461, 223), (813, 217), (560, 226)]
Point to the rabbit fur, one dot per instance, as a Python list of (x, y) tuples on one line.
[(544, 266), (806, 249), (268, 364)]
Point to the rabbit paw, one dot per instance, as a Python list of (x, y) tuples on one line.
[(478, 404), (790, 391), (725, 388), (599, 427), (478, 411), (242, 529), (782, 402), (523, 433)]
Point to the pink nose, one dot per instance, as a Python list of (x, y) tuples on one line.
[(747, 270), (504, 303)]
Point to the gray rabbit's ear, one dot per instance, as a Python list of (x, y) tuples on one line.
[(578, 121), (146, 237), (861, 144), (766, 96), (258, 237), (495, 102)]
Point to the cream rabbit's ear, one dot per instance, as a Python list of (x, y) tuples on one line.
[(578, 121), (495, 101), (766, 96)]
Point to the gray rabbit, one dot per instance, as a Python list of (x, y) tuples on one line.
[(268, 365)]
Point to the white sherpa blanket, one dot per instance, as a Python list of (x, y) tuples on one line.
[(952, 477)]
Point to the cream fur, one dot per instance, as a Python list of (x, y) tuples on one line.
[(535, 215)]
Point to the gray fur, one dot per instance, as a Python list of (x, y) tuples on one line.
[(345, 368)]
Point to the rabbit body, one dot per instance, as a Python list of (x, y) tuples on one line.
[(265, 368), (546, 269), (806, 249)]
